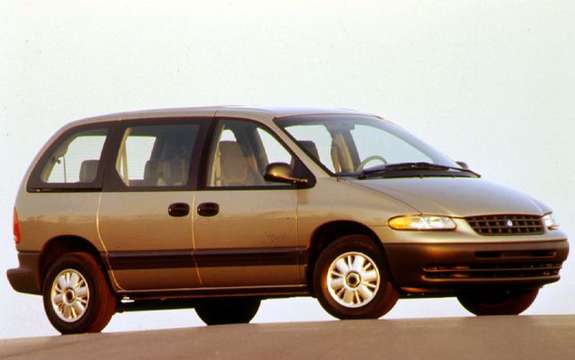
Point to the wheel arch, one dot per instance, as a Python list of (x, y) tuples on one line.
[(63, 244), (327, 233)]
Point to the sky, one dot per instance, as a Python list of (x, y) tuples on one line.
[(487, 82)]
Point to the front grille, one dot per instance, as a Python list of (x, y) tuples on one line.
[(492, 271), (494, 225)]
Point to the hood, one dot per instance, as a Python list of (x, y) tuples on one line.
[(457, 197)]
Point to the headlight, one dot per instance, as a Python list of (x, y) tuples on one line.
[(550, 222), (421, 222)]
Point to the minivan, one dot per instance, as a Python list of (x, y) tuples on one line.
[(218, 208)]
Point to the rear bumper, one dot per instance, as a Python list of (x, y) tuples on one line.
[(455, 267), (25, 277)]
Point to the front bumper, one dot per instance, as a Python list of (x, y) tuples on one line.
[(420, 269), (25, 277)]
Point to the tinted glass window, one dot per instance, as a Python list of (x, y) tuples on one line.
[(240, 153), (157, 155), (76, 160)]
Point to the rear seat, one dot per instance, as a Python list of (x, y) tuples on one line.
[(88, 171), (172, 172)]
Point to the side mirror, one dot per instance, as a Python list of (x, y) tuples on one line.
[(463, 164), (281, 172)]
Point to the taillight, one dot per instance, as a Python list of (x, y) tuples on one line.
[(16, 227)]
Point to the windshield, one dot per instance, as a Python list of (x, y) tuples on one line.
[(352, 144)]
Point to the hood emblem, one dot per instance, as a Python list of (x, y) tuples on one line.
[(509, 223)]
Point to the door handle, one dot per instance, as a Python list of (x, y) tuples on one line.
[(208, 209), (178, 209)]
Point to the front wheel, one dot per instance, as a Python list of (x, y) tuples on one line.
[(227, 311), (76, 295), (350, 279), (498, 302)]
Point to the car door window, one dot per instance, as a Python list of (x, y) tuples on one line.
[(157, 155), (274, 151), (240, 153), (316, 141)]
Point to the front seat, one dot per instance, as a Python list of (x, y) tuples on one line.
[(235, 167), (310, 147)]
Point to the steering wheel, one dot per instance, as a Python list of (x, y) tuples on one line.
[(369, 159)]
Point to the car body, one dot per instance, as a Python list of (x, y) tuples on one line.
[(219, 207)]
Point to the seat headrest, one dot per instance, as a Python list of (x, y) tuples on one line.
[(88, 170), (310, 147)]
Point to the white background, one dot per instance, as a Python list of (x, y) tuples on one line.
[(488, 82)]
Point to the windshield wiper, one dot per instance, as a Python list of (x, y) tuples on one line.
[(407, 166)]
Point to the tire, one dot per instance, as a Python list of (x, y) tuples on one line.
[(498, 302), (335, 296), (227, 311), (73, 282)]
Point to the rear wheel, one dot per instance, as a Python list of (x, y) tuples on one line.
[(76, 295), (350, 279), (227, 311), (498, 302)]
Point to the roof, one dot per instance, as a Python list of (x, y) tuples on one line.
[(257, 112)]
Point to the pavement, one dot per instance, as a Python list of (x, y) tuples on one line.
[(549, 337)]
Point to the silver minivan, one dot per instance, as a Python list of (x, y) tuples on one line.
[(218, 208)]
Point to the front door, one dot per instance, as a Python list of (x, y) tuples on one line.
[(246, 227), (146, 217)]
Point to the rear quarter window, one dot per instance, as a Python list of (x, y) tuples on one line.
[(74, 161)]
